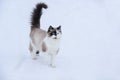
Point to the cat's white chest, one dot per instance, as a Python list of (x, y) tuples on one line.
[(52, 45)]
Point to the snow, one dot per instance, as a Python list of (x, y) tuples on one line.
[(90, 47)]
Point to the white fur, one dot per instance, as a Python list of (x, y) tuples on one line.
[(52, 48)]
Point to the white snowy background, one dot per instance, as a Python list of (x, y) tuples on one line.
[(90, 47)]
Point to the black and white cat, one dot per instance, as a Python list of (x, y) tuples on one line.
[(41, 40)]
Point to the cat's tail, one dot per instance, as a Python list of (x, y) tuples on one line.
[(36, 15)]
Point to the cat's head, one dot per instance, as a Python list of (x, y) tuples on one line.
[(54, 32)]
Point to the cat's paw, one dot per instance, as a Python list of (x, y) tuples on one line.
[(52, 65), (34, 58)]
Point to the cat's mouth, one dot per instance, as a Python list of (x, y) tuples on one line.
[(56, 38)]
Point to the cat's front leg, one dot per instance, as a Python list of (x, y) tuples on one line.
[(52, 61)]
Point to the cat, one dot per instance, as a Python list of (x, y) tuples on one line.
[(41, 40)]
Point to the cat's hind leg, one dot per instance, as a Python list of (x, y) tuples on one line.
[(34, 51)]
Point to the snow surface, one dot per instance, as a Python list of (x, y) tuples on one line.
[(90, 47)]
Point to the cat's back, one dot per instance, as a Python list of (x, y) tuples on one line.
[(37, 33)]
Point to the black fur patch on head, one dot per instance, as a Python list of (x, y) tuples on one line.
[(53, 31)]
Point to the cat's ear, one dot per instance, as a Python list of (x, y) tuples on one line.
[(50, 28), (59, 27)]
